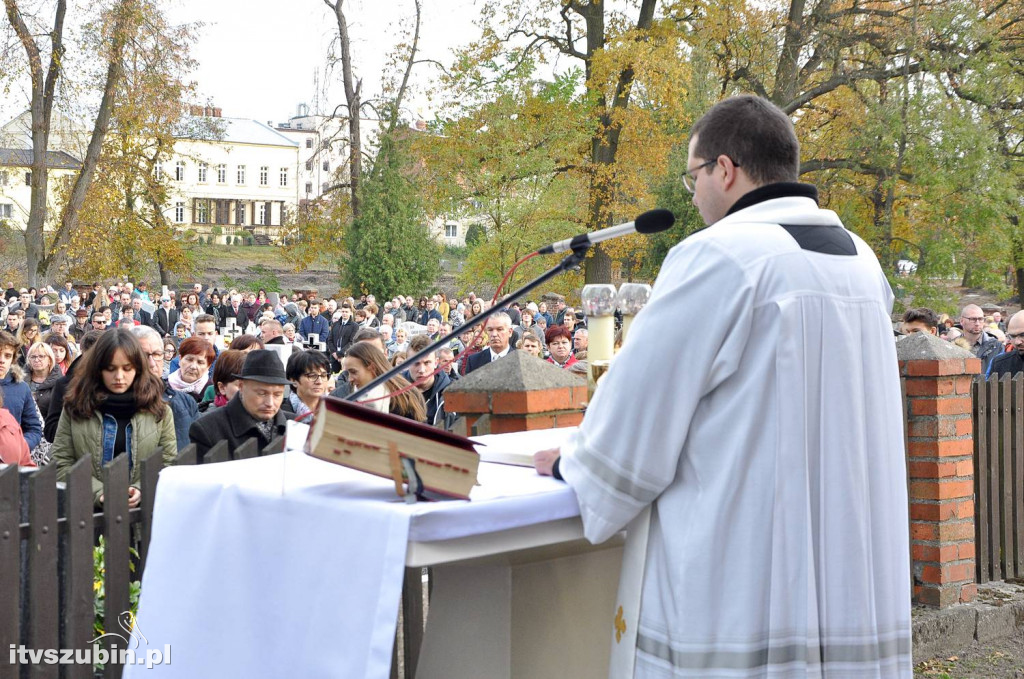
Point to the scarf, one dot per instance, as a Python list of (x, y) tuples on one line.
[(119, 406), (178, 384), (302, 411), (266, 429)]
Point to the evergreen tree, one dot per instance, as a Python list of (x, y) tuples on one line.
[(388, 248)]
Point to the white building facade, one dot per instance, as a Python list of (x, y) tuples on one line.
[(323, 149), (16, 179), (243, 184)]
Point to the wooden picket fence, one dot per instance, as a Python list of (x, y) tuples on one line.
[(47, 536), (999, 477)]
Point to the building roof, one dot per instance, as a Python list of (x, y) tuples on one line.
[(55, 160), (238, 131)]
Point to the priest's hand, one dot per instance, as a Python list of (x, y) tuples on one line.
[(544, 460)]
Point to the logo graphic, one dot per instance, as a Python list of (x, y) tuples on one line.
[(93, 654), (131, 627)]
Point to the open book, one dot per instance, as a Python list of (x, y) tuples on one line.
[(359, 437), (518, 448)]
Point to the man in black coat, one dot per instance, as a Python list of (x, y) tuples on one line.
[(342, 335), (255, 411), (166, 317), (1011, 362), (499, 332), (141, 315)]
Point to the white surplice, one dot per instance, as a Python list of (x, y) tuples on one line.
[(766, 430)]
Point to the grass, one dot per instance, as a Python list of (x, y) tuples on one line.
[(244, 255)]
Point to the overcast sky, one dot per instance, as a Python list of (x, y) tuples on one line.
[(260, 58)]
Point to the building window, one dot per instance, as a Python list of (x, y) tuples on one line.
[(6, 210), (241, 174), (327, 166), (309, 188), (179, 213), (284, 176), (262, 219), (309, 142), (451, 230), (309, 165), (222, 174), (240, 213), (4, 178), (179, 171), (203, 212), (264, 175), (28, 179), (158, 171), (202, 172)]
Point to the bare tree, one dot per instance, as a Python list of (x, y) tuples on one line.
[(124, 17), (354, 103)]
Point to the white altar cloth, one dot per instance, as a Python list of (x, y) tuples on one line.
[(290, 566)]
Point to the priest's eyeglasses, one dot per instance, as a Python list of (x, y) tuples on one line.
[(316, 377), (690, 176)]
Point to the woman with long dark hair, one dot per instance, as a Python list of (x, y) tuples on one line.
[(216, 309), (114, 406), (364, 363)]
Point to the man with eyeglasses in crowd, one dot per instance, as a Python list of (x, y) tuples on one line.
[(183, 406), (773, 432), (1012, 361), (983, 344)]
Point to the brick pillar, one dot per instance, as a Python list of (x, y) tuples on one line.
[(940, 446), (517, 393)]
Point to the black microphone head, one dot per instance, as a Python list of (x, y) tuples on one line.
[(654, 221)]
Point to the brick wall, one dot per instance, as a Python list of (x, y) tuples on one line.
[(940, 448)]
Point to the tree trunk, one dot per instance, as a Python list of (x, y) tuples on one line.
[(41, 107), (354, 104), (604, 145), (123, 25), (1017, 250)]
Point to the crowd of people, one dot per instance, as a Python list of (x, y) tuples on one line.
[(107, 370), (998, 342)]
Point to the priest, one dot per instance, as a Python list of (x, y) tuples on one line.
[(769, 443)]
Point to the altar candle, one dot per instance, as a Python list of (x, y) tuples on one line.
[(602, 337), (631, 299), (627, 321)]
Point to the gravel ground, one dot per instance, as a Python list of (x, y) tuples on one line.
[(1003, 659)]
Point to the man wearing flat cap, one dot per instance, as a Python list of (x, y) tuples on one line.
[(80, 325), (255, 411)]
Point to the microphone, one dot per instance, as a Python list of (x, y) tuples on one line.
[(651, 221)]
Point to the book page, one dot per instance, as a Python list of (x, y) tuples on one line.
[(518, 448)]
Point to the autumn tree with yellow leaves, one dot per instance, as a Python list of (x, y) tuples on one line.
[(124, 226), (903, 126)]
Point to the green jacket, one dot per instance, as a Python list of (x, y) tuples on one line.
[(78, 437)]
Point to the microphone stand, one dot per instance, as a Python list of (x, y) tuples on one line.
[(571, 261)]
